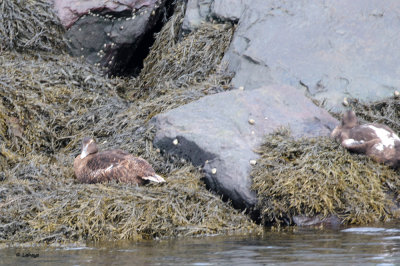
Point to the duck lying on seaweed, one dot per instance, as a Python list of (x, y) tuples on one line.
[(375, 140), (92, 166)]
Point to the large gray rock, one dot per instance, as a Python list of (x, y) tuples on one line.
[(114, 35), (328, 49), (196, 12), (199, 11), (228, 9), (216, 133)]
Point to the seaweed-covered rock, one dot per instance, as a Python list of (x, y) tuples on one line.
[(220, 133), (50, 101), (385, 111), (331, 50), (116, 36), (308, 181), (30, 25)]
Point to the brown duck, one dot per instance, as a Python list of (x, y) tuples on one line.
[(92, 166), (375, 140)]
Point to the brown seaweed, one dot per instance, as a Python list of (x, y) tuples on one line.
[(385, 111), (50, 100), (319, 177), (191, 62), (31, 24)]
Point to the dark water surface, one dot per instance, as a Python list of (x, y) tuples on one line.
[(378, 245)]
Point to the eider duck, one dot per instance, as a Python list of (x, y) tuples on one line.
[(375, 140), (92, 166)]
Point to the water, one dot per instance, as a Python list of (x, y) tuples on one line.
[(356, 246)]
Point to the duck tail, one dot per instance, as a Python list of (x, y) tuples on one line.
[(155, 178)]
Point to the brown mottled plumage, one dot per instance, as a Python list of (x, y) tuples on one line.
[(92, 166), (375, 140)]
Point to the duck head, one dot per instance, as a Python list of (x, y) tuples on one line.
[(88, 147), (349, 119)]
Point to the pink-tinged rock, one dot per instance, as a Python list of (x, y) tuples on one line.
[(70, 11)]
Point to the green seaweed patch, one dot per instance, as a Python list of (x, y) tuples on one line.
[(316, 176)]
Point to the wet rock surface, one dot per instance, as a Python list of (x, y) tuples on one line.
[(221, 132), (116, 36), (329, 50), (302, 220)]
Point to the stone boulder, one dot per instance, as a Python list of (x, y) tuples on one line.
[(196, 12), (330, 221), (113, 34), (220, 133), (328, 49)]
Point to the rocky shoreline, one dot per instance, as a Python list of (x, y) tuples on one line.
[(216, 79)]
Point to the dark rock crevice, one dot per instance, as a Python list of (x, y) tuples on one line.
[(118, 41), (137, 53)]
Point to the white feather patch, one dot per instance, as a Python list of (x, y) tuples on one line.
[(387, 138), (84, 150), (350, 142), (84, 153), (379, 146), (156, 178)]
